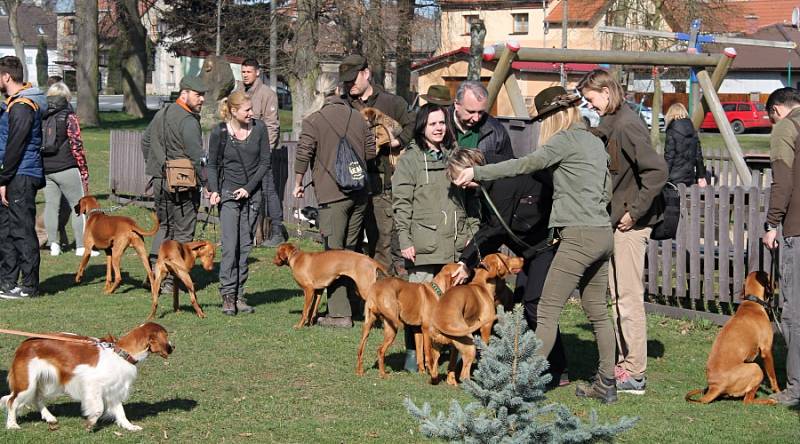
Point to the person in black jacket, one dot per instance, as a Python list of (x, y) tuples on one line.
[(524, 203), (473, 126), (682, 150)]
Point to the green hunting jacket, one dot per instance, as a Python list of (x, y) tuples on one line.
[(431, 214), (173, 133), (581, 181)]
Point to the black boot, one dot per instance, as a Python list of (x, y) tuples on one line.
[(276, 238), (229, 304), (603, 389)]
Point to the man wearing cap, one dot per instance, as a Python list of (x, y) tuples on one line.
[(362, 93), (438, 95), (475, 128), (174, 133)]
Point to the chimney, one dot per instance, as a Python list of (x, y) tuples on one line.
[(751, 23)]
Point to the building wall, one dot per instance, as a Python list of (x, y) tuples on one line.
[(30, 60), (760, 82)]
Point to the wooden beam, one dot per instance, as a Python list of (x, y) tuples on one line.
[(655, 131), (699, 112), (501, 71), (515, 96), (716, 39), (617, 57), (734, 150)]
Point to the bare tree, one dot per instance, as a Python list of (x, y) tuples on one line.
[(134, 58), (403, 51), (375, 45), (86, 62), (304, 68), (16, 38)]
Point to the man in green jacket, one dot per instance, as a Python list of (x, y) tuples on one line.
[(174, 133)]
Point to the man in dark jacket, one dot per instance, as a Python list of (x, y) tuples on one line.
[(475, 128), (362, 93), (21, 176), (174, 133), (340, 214)]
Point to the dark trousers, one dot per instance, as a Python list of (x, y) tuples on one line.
[(238, 225), (177, 218), (20, 246), (530, 282), (272, 203)]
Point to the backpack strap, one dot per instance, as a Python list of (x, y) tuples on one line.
[(12, 101)]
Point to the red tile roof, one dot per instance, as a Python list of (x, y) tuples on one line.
[(579, 11), (754, 14)]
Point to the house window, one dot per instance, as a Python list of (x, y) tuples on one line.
[(103, 59), (69, 27), (520, 23), (469, 20)]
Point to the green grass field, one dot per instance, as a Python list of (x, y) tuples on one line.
[(252, 378)]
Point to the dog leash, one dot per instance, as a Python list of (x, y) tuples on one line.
[(295, 210), (774, 276), (91, 341)]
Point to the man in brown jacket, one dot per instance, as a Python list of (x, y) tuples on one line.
[(341, 215), (783, 106), (362, 93), (265, 108)]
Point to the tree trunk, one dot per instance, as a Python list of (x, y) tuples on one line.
[(403, 51), (477, 34), (86, 62), (375, 44), (16, 37), (134, 59), (41, 64), (305, 63), (619, 18)]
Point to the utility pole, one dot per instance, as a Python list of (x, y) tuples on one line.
[(564, 42), (219, 27)]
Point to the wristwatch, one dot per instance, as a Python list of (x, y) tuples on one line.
[(768, 227)]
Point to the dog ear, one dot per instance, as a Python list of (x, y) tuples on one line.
[(78, 208)]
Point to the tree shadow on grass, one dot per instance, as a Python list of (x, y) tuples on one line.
[(135, 411)]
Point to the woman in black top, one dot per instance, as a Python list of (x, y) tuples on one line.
[(238, 158), (682, 149), (524, 203)]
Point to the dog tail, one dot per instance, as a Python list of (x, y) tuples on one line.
[(690, 396), (139, 230)]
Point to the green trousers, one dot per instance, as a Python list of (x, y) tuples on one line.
[(581, 262)]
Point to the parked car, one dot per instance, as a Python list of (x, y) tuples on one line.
[(646, 113), (742, 116)]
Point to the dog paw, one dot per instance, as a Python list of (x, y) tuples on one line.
[(13, 426), (52, 426), (132, 428), (201, 315)]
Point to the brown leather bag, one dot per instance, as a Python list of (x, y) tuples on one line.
[(180, 175)]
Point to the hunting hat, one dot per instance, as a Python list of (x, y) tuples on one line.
[(193, 83), (553, 99), (439, 95), (350, 66)]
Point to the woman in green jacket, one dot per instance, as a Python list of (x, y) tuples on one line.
[(581, 191), (433, 218)]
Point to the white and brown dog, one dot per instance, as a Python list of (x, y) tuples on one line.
[(98, 373)]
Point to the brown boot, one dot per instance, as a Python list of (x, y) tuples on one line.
[(242, 307), (229, 304), (327, 321)]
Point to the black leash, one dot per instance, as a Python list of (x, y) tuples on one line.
[(774, 277)]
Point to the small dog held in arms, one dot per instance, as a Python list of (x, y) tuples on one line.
[(314, 272), (730, 370), (98, 373), (178, 259)]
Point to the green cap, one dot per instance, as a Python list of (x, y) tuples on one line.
[(193, 83), (439, 95), (350, 66), (552, 99)]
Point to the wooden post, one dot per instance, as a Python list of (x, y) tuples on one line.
[(501, 71), (655, 131), (721, 70), (617, 57), (515, 96), (734, 150)]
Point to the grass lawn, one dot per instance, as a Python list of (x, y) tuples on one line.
[(252, 378)]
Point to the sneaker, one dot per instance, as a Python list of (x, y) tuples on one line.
[(632, 385), (80, 251), (785, 398), (55, 249), (13, 293), (601, 388), (343, 322)]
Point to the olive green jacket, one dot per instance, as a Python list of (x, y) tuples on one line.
[(581, 182), (173, 133), (432, 215), (784, 203)]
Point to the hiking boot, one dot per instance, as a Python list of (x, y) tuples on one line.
[(411, 362), (343, 322), (785, 398), (632, 385), (229, 304), (276, 238), (601, 388), (242, 307)]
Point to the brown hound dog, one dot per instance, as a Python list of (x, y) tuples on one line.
[(178, 259), (112, 234)]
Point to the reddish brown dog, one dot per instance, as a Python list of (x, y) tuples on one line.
[(314, 272), (401, 304), (112, 234), (465, 309), (178, 259), (730, 370)]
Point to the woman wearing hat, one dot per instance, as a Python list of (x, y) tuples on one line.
[(579, 218)]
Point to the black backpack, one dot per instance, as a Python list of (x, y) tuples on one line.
[(668, 227), (54, 133)]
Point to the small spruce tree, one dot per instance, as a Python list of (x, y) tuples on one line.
[(510, 405), (41, 64)]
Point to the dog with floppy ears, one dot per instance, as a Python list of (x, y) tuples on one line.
[(402, 304), (178, 259), (730, 370), (98, 373), (112, 234), (314, 272)]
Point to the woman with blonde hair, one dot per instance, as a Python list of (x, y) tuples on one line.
[(682, 149), (238, 158), (581, 191), (638, 175)]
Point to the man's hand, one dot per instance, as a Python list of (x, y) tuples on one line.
[(3, 195), (240, 193), (626, 223), (298, 191), (409, 253), (465, 177), (461, 275), (701, 182), (769, 239), (394, 143), (213, 198)]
